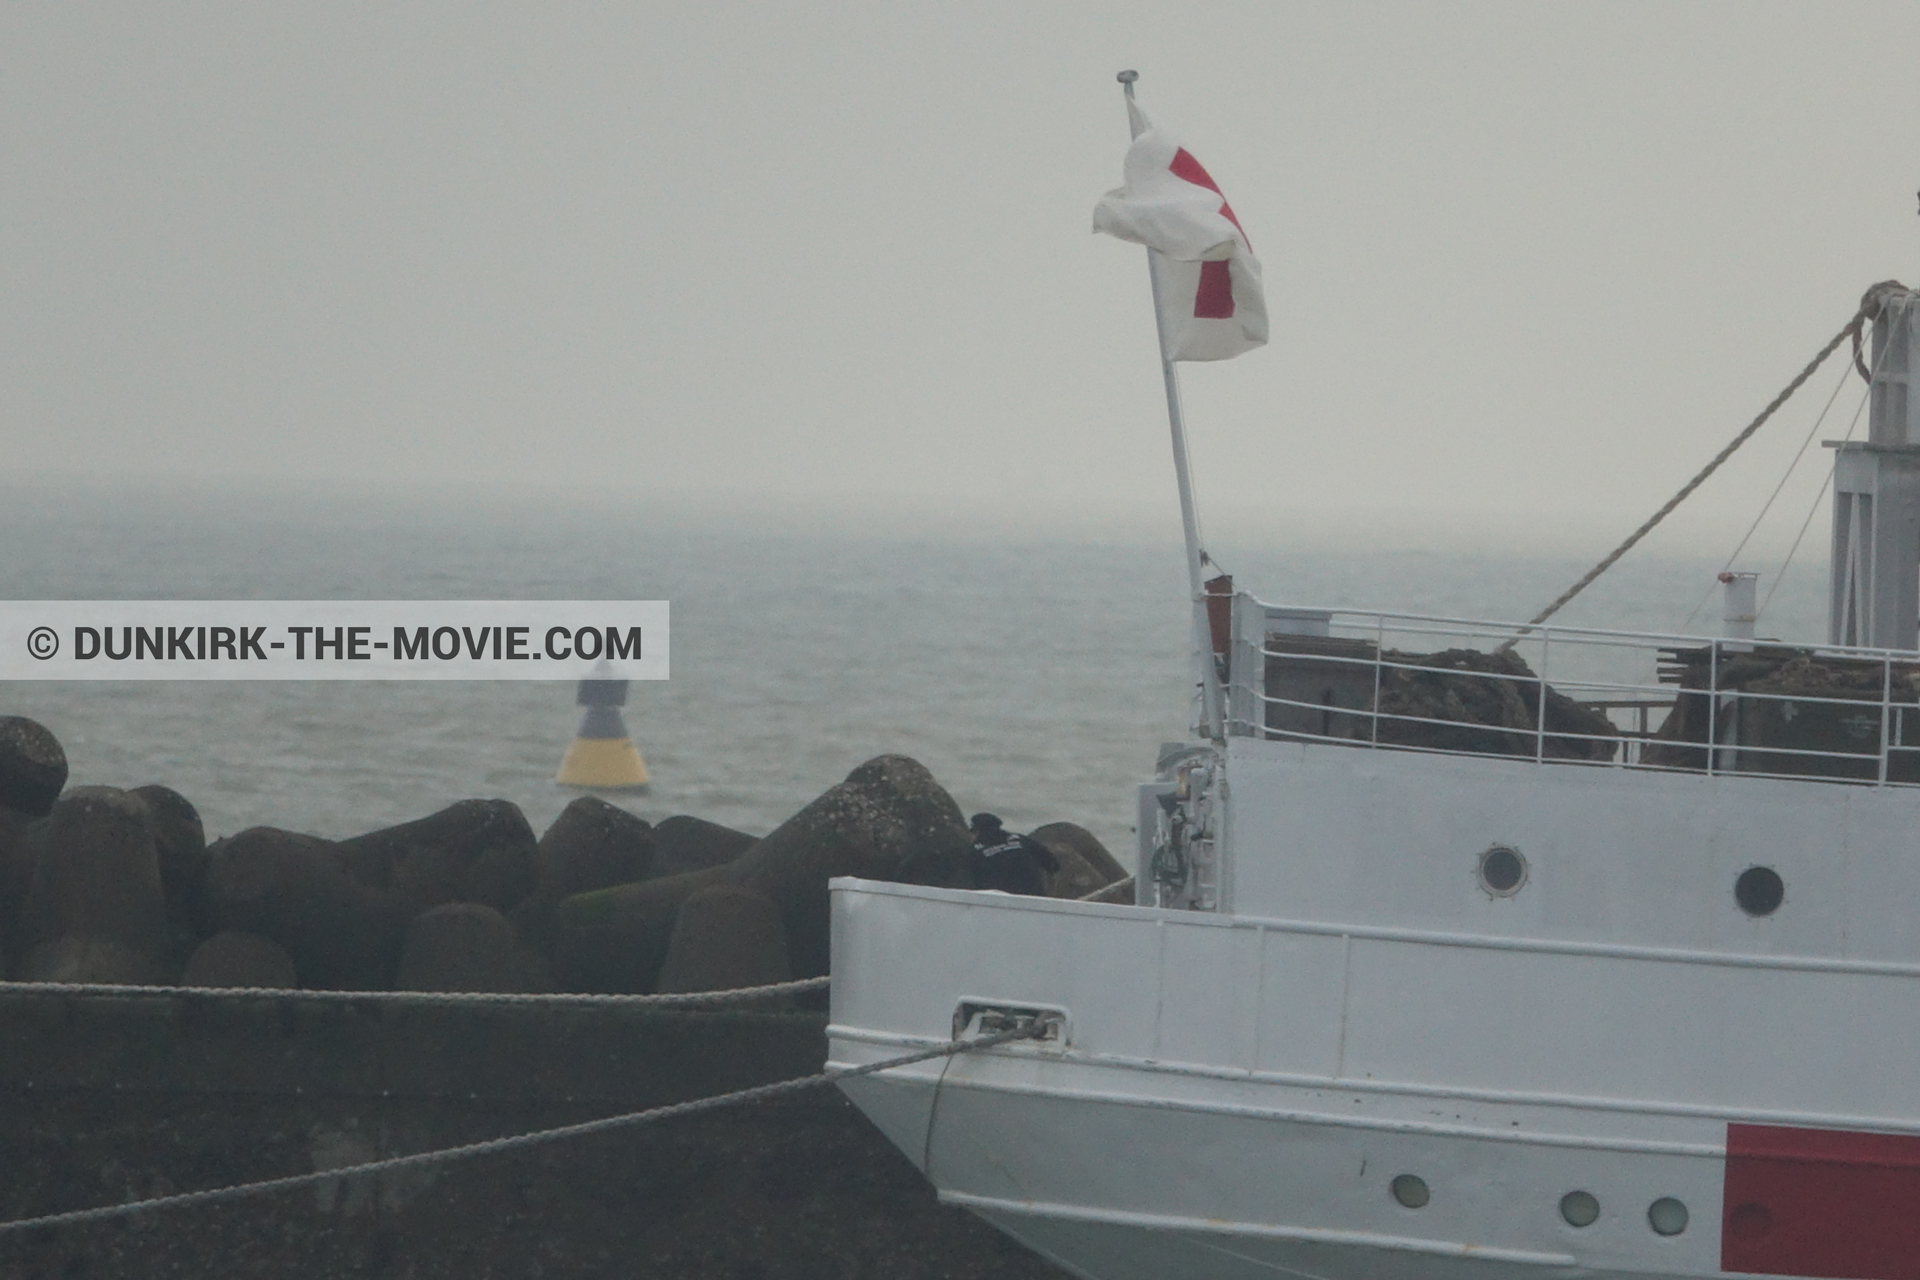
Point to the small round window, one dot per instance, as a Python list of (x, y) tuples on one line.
[(1579, 1208), (1759, 891), (1667, 1216), (1502, 871)]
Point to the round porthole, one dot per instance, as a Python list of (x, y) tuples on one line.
[(1667, 1216), (1759, 891), (1579, 1208), (1410, 1190), (1502, 871)]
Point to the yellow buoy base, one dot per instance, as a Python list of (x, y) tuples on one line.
[(603, 764)]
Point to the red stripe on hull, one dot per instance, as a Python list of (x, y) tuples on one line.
[(1821, 1202)]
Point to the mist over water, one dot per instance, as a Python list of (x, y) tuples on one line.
[(1034, 675)]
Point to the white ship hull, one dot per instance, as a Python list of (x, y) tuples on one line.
[(1233, 1093), (1129, 1187)]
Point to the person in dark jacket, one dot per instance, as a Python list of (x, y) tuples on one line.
[(1007, 861)]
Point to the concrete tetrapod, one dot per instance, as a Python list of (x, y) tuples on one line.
[(726, 937), (295, 889), (178, 837), (593, 845), (888, 821), (1085, 864), (181, 843), (33, 767), (614, 940), (464, 946), (16, 876), (234, 958), (471, 851), (685, 843), (95, 910)]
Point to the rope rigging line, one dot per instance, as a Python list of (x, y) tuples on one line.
[(1773, 497), (1812, 511), (1868, 305), (734, 996), (494, 1146)]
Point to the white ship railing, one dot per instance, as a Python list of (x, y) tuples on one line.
[(1650, 700)]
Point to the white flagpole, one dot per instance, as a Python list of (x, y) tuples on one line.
[(1209, 677)]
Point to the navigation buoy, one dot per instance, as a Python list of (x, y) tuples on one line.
[(603, 757)]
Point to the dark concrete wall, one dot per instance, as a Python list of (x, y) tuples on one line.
[(106, 1099)]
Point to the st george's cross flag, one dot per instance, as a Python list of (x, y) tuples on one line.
[(1211, 304)]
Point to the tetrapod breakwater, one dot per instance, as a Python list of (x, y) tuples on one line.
[(121, 1086)]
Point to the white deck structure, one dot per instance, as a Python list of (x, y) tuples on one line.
[(1524, 986), (1464, 950)]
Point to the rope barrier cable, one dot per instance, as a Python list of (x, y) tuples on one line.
[(735, 995), (495, 1146), (1773, 497), (1859, 317)]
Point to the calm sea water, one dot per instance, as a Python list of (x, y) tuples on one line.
[(1034, 678)]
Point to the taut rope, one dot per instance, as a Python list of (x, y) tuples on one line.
[(1869, 306)]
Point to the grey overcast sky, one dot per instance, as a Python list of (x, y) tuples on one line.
[(1528, 264)]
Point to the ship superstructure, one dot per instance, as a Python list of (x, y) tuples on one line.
[(1464, 949)]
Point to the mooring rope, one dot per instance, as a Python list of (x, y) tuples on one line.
[(1869, 305), (733, 995), (1106, 891), (495, 1146)]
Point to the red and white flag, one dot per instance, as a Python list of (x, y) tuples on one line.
[(1211, 304)]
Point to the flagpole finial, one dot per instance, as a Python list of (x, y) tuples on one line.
[(1127, 78)]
